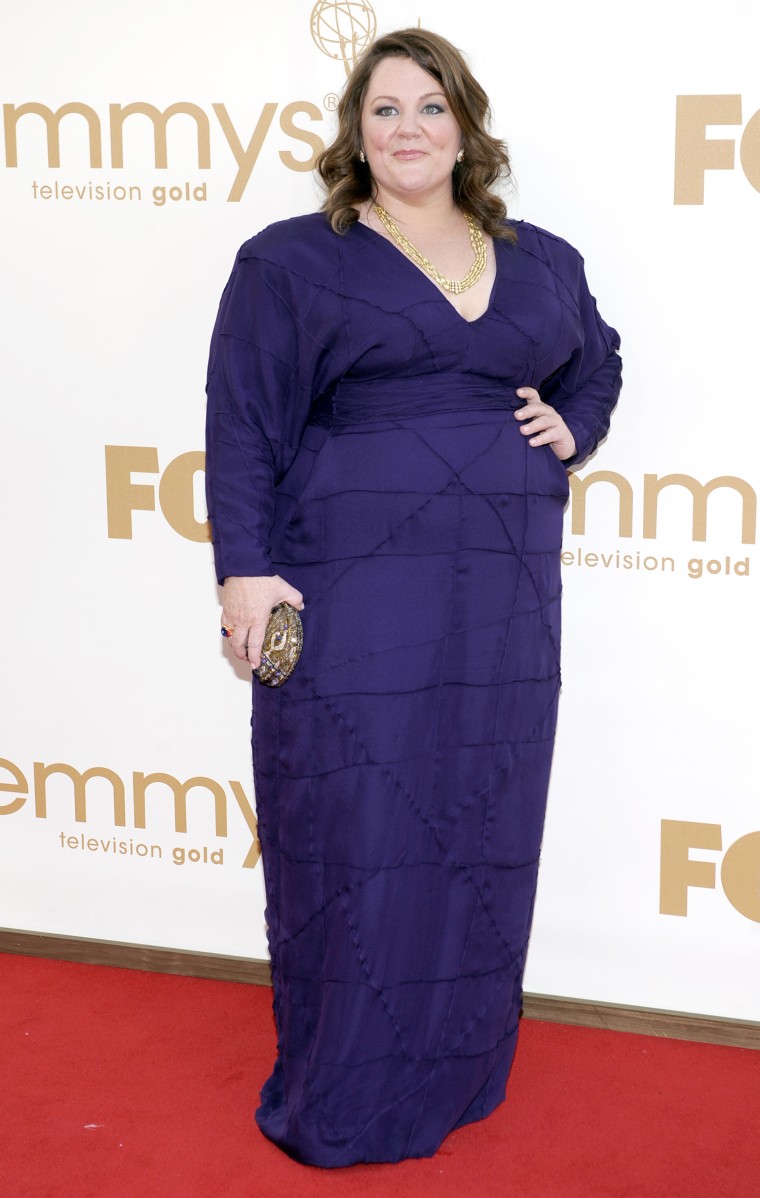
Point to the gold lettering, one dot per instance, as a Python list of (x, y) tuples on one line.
[(122, 495), (654, 485), (119, 113), (292, 130), (579, 487), (740, 875), (43, 772), (19, 783), (52, 121), (175, 494), (696, 153), (250, 818), (677, 871), (750, 150), (179, 790), (246, 159)]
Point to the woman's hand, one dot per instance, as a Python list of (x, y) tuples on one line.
[(544, 425), (246, 606)]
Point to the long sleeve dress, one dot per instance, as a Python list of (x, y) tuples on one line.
[(362, 443)]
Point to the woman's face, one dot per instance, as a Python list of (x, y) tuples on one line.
[(409, 135)]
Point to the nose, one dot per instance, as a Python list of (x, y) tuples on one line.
[(409, 125)]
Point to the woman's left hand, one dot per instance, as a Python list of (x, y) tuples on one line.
[(544, 426)]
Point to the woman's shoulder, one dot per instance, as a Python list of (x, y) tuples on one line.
[(301, 244), (557, 253)]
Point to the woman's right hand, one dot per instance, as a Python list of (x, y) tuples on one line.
[(246, 606)]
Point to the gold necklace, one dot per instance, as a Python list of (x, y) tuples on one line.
[(455, 286)]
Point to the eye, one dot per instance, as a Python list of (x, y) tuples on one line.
[(385, 110), (433, 109)]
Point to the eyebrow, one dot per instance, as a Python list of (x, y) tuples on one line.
[(395, 99)]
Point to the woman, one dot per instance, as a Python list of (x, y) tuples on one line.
[(397, 385)]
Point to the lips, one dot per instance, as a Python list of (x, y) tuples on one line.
[(408, 155)]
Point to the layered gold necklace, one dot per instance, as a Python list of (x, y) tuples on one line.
[(454, 286)]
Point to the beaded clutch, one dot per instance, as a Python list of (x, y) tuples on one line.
[(283, 641)]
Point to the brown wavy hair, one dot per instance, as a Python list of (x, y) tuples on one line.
[(486, 161)]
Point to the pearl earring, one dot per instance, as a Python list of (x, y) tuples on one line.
[(361, 156), (460, 156)]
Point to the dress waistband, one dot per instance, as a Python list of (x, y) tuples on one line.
[(357, 400)]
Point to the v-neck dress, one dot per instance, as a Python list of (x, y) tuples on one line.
[(362, 444)]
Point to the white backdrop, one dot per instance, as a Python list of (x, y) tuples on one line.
[(110, 650)]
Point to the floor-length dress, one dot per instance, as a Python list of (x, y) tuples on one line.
[(362, 444)]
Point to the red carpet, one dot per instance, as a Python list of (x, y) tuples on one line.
[(119, 1084)]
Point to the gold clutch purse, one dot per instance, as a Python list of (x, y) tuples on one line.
[(283, 641)]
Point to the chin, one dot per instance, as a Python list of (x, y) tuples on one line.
[(410, 180)]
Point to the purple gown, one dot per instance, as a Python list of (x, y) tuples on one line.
[(362, 444)]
